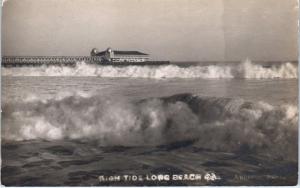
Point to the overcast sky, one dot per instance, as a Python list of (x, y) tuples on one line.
[(193, 30)]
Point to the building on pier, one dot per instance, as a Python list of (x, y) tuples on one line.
[(116, 56)]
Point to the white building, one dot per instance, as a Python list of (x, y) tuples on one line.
[(121, 56)]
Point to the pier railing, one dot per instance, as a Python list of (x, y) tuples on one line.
[(47, 60)]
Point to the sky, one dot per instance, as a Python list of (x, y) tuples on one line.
[(177, 30)]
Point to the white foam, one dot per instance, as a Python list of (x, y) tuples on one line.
[(215, 123), (245, 69)]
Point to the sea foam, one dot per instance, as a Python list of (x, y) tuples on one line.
[(219, 124), (246, 69)]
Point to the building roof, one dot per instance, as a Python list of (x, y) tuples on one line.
[(101, 53), (117, 52), (128, 53)]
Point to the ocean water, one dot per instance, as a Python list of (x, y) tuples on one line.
[(70, 125)]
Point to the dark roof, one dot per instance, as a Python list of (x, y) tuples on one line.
[(122, 53), (129, 53), (101, 53)]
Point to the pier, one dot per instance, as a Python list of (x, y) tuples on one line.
[(16, 61), (31, 61)]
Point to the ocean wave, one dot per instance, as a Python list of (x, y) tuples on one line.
[(246, 69), (220, 124)]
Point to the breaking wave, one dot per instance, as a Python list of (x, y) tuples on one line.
[(245, 69), (219, 124)]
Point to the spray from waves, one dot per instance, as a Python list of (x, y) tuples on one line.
[(220, 124), (245, 69)]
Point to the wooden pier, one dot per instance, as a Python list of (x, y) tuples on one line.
[(15, 61), (20, 61)]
